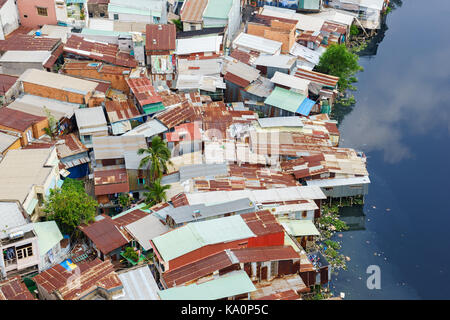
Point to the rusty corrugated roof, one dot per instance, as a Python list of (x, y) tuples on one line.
[(193, 11), (90, 276), (160, 37), (18, 120), (104, 234), (14, 289), (121, 110), (111, 181), (99, 51)]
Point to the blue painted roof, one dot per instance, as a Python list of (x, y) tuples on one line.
[(306, 106)]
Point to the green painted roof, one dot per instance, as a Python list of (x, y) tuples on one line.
[(285, 99), (309, 4), (298, 228), (152, 108), (229, 285), (195, 235), (218, 9), (139, 206), (48, 235)]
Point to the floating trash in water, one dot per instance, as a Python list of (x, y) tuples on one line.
[(388, 209), (342, 294), (374, 207), (347, 258)]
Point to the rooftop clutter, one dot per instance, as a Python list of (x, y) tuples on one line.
[(233, 125)]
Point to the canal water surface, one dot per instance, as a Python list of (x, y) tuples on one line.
[(402, 122)]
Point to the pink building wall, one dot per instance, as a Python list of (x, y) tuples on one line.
[(29, 8)]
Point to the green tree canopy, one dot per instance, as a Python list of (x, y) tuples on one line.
[(156, 193), (338, 61), (70, 206), (157, 159)]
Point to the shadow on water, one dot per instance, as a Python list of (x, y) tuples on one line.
[(354, 217)]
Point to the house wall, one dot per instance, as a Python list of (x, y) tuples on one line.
[(9, 17), (57, 94), (23, 140), (117, 81), (15, 145), (133, 176), (97, 10), (38, 128), (26, 262), (14, 91), (189, 26), (346, 191), (134, 18), (61, 11), (234, 19), (29, 15)]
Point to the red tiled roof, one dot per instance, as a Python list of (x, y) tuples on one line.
[(121, 110), (17, 119), (160, 37), (89, 275), (111, 181), (143, 91), (14, 289), (104, 234), (100, 51), (6, 82)]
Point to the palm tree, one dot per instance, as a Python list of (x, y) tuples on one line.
[(156, 193), (158, 157)]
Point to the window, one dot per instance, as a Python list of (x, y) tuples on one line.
[(87, 139), (42, 11), (116, 16), (141, 181), (29, 135), (25, 16), (24, 251)]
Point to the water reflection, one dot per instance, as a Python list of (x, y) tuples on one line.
[(402, 94)]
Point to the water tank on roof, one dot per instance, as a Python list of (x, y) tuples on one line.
[(38, 33)]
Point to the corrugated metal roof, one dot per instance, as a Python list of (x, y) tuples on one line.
[(110, 181), (281, 61), (196, 212), (160, 37), (100, 51), (192, 10), (338, 182), (258, 196), (198, 44), (89, 275), (113, 147), (148, 129), (18, 120), (48, 235), (25, 56), (139, 284), (285, 99), (143, 90), (251, 42), (12, 217), (6, 140), (90, 117), (146, 229), (198, 234), (14, 289), (104, 234), (317, 77), (299, 228), (280, 122), (121, 110), (202, 170), (58, 81), (229, 285), (217, 9), (291, 82)]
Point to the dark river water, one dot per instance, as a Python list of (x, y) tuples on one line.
[(402, 122)]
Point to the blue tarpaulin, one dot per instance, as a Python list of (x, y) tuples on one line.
[(305, 107)]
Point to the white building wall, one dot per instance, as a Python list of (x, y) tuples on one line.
[(234, 19), (9, 18)]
